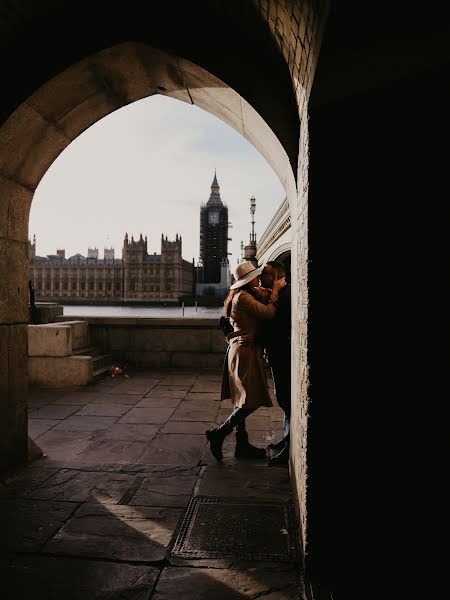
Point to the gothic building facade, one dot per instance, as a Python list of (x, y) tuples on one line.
[(136, 277)]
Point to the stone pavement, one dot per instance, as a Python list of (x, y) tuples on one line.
[(97, 516)]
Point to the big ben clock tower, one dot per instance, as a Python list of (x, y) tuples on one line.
[(213, 235)]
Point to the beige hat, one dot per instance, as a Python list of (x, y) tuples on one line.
[(245, 272)]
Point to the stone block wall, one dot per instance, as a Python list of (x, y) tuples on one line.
[(144, 343)]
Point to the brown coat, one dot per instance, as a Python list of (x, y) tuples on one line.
[(244, 376)]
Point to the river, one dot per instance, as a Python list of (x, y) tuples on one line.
[(201, 312)]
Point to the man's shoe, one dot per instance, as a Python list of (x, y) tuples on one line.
[(278, 445), (282, 458), (244, 449)]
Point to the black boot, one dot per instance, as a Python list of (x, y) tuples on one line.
[(244, 449), (216, 437), (282, 458)]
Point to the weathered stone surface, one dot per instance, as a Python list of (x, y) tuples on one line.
[(80, 486), (104, 410), (27, 524), (206, 386), (194, 427), (113, 451), (46, 340), (165, 489), (13, 288), (227, 584), (257, 480), (147, 415), (111, 399), (204, 396), (129, 386), (42, 142), (175, 449), (75, 423), (158, 403), (128, 432), (178, 379), (167, 391), (37, 427), (52, 411), (15, 202), (58, 445), (196, 413), (117, 532), (55, 578), (26, 481), (58, 371)]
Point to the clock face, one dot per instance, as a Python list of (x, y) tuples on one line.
[(213, 217)]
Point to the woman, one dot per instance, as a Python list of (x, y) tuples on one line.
[(244, 379)]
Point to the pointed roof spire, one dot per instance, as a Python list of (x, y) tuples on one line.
[(215, 183), (214, 197)]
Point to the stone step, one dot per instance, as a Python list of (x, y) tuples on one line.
[(102, 360), (86, 351), (100, 373)]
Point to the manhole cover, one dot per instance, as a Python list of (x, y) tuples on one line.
[(234, 528)]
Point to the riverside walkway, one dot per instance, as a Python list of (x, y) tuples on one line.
[(129, 503)]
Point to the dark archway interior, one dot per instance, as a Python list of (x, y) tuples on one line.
[(245, 58), (376, 178)]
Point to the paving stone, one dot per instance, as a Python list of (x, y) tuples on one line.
[(58, 445), (111, 399), (177, 379), (203, 396), (147, 415), (195, 427), (52, 411), (128, 432), (186, 413), (211, 375), (25, 525), (255, 423), (74, 398), (26, 481), (80, 486), (37, 427), (74, 423), (104, 410), (55, 578), (267, 483), (165, 489), (113, 451), (130, 386), (128, 533), (175, 449), (158, 402), (167, 392), (206, 386), (227, 584)]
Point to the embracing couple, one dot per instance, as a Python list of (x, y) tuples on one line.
[(258, 307)]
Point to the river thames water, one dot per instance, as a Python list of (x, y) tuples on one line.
[(201, 312)]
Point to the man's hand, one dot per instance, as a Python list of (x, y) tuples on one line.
[(278, 284)]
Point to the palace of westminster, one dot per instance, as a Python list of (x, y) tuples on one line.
[(139, 276)]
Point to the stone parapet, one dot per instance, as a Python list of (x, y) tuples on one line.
[(160, 342)]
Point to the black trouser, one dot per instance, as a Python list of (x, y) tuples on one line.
[(237, 419), (280, 365)]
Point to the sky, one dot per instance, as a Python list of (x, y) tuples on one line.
[(147, 168)]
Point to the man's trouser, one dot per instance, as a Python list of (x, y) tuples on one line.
[(280, 365)]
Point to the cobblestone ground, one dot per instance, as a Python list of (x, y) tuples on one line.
[(97, 516)]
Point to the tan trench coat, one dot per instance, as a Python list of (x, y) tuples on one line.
[(244, 376)]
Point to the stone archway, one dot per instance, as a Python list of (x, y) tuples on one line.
[(259, 84)]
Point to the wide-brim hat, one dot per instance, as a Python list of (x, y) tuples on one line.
[(245, 272)]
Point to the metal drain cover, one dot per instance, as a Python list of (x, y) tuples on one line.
[(234, 528)]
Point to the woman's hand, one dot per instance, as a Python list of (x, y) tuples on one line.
[(278, 284)]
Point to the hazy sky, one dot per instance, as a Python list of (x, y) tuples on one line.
[(147, 168)]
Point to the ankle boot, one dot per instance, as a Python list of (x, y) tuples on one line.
[(244, 449), (282, 458), (216, 437)]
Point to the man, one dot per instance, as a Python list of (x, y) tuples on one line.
[(277, 343)]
